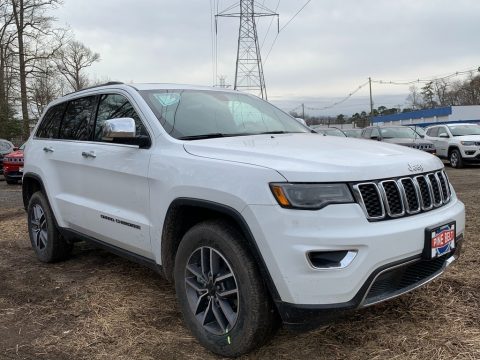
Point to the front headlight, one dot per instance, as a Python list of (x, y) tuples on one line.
[(468, 143), (310, 196)]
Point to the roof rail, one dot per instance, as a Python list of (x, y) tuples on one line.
[(95, 86)]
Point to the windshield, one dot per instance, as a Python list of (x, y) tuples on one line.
[(419, 130), (461, 130), (353, 133), (398, 132), (197, 114), (333, 132)]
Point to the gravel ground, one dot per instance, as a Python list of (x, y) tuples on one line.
[(100, 306)]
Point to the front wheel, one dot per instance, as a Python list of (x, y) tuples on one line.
[(222, 297), (455, 159)]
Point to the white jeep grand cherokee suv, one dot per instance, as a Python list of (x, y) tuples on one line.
[(251, 215), (459, 143)]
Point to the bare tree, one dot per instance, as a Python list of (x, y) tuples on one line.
[(414, 98), (440, 89), (72, 61), (8, 125), (31, 23)]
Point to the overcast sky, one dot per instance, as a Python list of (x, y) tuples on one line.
[(327, 51)]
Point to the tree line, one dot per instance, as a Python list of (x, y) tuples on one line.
[(39, 61)]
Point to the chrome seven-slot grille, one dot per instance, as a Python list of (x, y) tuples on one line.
[(394, 198)]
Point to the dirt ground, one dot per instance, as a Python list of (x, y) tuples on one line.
[(100, 306)]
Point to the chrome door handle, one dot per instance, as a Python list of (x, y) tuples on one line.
[(48, 149), (89, 154)]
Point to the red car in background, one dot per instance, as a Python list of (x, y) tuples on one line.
[(13, 166)]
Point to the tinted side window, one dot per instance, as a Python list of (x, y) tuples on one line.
[(442, 131), (76, 124), (433, 132), (116, 106), (49, 127)]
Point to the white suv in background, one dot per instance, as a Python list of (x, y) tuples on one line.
[(251, 215), (459, 143)]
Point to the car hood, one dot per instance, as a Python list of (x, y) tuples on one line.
[(314, 158), (467, 138), (16, 154)]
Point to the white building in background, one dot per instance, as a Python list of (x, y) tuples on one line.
[(448, 114)]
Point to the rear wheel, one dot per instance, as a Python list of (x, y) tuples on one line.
[(11, 181), (222, 297), (455, 159), (46, 240)]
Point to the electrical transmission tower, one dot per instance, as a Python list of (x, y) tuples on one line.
[(249, 68)]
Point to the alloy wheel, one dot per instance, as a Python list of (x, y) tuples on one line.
[(39, 227), (454, 159), (212, 290)]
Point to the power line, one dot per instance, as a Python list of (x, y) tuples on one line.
[(269, 26), (341, 101), (385, 82), (283, 27), (294, 16), (412, 82)]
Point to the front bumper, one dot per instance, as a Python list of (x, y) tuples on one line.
[(471, 154), (14, 175), (385, 283), (286, 237)]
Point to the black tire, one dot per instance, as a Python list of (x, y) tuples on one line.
[(11, 181), (256, 318), (455, 159), (46, 240)]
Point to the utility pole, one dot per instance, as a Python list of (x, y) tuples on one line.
[(371, 100), (303, 111), (249, 68)]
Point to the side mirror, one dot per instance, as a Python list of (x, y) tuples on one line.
[(120, 128), (444, 136)]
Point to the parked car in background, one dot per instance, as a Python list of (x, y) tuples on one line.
[(459, 143), (355, 133), (6, 147), (400, 135), (13, 166), (329, 131)]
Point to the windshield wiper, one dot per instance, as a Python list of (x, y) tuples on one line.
[(279, 132), (209, 136)]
